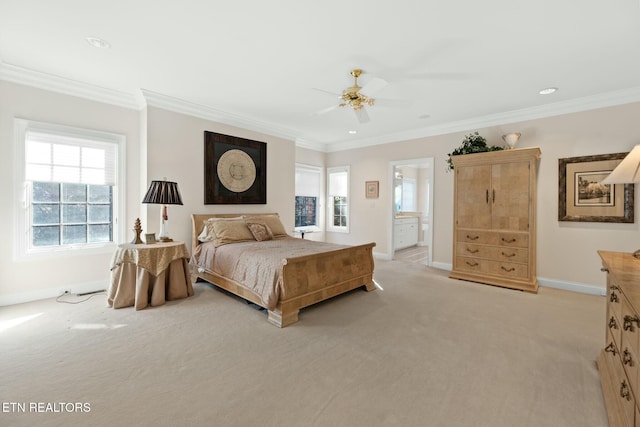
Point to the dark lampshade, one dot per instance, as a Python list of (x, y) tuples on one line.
[(163, 193)]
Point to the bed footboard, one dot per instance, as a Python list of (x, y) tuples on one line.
[(314, 278)]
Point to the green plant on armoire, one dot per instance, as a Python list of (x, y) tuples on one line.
[(472, 143)]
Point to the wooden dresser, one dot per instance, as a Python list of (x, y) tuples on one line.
[(494, 240), (618, 360)]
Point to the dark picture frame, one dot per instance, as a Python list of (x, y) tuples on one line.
[(583, 198), (215, 192)]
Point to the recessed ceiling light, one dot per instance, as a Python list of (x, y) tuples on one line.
[(98, 42), (353, 132), (548, 90)]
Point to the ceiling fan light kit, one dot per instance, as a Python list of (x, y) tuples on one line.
[(357, 97)]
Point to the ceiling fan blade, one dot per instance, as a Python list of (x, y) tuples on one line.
[(362, 115), (392, 103), (336, 95), (373, 86), (325, 110)]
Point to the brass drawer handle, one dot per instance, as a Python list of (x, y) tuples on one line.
[(508, 270), (627, 325), (626, 358), (508, 240), (624, 390), (473, 238), (473, 251), (611, 349), (472, 264), (613, 297), (612, 323), (508, 255)]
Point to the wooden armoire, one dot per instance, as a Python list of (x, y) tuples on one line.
[(494, 239)]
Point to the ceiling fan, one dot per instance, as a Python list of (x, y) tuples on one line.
[(357, 97)]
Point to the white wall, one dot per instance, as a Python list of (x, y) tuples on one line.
[(566, 250), (175, 150), (26, 279)]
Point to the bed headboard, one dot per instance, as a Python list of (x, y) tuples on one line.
[(197, 223)]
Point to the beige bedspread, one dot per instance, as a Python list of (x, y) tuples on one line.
[(257, 265)]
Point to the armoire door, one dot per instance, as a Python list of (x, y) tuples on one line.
[(472, 204), (510, 196)]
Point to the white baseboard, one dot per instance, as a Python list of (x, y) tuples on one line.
[(77, 288), (549, 283), (381, 255), (583, 288), (441, 265)]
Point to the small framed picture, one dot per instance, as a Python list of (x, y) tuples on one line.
[(371, 189), (150, 238)]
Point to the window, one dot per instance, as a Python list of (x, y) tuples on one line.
[(307, 188), (69, 181), (338, 198)]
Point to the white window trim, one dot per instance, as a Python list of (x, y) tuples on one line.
[(319, 210), (21, 196), (330, 226)]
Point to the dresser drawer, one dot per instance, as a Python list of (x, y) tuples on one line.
[(614, 327), (629, 321), (493, 268), (614, 301), (624, 394)]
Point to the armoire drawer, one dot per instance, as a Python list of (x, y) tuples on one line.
[(495, 253), (493, 268), (495, 238)]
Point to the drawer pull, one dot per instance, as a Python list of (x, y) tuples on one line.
[(473, 238), (508, 240), (508, 270), (627, 325), (605, 270), (473, 251), (624, 390), (626, 358), (508, 255), (472, 264), (611, 349), (612, 323), (613, 297)]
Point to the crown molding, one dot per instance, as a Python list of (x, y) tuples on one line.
[(608, 99), (137, 101), (24, 76), (178, 105)]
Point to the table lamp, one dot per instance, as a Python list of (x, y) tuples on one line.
[(163, 193), (627, 172)]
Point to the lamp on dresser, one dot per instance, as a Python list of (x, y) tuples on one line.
[(163, 193), (627, 172)]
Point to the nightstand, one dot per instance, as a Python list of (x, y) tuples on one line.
[(149, 274)]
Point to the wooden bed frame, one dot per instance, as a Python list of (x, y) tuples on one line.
[(307, 279)]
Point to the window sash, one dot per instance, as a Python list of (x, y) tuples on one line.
[(51, 157)]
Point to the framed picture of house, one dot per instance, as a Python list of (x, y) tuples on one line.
[(235, 170), (583, 197)]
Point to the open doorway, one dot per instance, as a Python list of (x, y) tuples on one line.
[(412, 210)]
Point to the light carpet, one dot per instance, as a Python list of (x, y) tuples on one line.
[(425, 351)]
